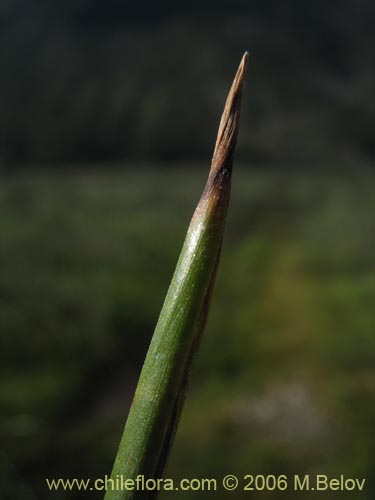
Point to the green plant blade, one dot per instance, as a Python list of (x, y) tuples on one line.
[(158, 400)]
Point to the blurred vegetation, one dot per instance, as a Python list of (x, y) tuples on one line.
[(285, 380), (88, 81)]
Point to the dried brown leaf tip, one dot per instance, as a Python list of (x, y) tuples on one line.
[(222, 160)]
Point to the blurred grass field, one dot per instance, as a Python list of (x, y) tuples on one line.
[(284, 382)]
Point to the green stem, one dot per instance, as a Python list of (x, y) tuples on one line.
[(158, 400)]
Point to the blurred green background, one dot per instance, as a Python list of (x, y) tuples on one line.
[(108, 120)]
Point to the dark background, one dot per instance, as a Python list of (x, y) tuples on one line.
[(87, 81), (108, 117)]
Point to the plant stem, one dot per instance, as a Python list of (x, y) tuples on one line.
[(158, 400)]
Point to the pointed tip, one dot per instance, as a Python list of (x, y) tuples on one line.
[(244, 60), (229, 124)]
